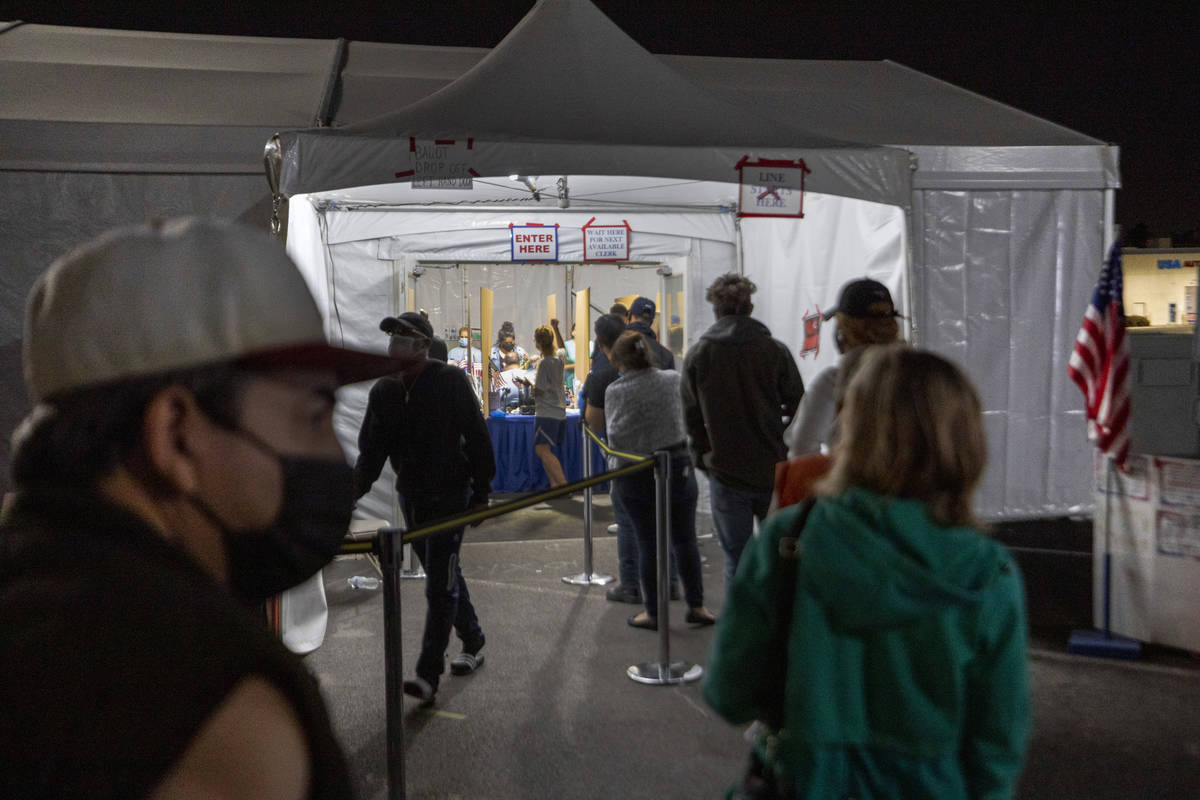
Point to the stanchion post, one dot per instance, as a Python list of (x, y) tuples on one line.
[(390, 554), (662, 548), (587, 577), (663, 672)]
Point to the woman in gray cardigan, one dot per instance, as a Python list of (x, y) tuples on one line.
[(643, 413)]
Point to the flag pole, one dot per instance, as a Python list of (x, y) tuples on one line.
[(1103, 642)]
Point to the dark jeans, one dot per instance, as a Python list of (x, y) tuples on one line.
[(627, 545), (637, 495), (734, 511), (447, 599)]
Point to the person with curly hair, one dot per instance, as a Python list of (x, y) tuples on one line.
[(738, 385)]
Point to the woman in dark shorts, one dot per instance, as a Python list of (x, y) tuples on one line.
[(550, 406)]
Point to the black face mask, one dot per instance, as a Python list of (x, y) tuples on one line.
[(507, 347), (318, 498)]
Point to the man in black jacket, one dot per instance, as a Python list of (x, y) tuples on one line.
[(738, 386), (426, 420)]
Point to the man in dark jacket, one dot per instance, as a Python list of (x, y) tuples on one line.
[(640, 319), (738, 386), (426, 420)]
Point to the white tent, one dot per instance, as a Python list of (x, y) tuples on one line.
[(1006, 212)]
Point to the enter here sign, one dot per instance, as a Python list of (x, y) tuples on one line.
[(534, 242)]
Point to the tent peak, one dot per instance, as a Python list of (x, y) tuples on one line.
[(567, 73)]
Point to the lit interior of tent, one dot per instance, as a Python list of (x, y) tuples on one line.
[(371, 252)]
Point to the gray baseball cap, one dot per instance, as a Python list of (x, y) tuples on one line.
[(176, 294)]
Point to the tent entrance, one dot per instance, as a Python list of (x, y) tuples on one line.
[(531, 294)]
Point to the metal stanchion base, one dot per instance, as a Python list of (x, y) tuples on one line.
[(588, 579), (656, 673)]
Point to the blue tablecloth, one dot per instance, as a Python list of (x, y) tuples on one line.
[(518, 469)]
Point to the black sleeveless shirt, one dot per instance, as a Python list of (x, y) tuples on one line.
[(115, 647)]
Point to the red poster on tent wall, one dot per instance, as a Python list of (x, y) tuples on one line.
[(606, 242), (771, 187)]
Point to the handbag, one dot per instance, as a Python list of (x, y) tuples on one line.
[(760, 781)]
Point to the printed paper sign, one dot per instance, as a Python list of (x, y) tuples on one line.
[(441, 164), (1179, 534), (1179, 482), (534, 242), (605, 242), (771, 187)]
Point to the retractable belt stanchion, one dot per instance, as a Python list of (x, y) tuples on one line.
[(390, 545), (663, 671), (587, 577)]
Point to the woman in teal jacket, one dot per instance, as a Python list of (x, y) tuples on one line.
[(883, 644)]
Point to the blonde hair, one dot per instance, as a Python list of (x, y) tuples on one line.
[(543, 339), (912, 427)]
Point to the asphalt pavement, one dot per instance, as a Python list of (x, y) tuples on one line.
[(552, 712)]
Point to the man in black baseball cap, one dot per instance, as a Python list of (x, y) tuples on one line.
[(406, 324), (640, 319), (426, 421), (864, 298)]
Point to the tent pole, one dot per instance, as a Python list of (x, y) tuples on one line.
[(737, 241)]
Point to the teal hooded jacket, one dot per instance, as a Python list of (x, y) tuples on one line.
[(902, 672)]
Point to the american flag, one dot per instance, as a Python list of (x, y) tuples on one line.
[(1100, 362)]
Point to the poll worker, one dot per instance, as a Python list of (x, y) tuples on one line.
[(467, 358), (178, 468), (425, 421)]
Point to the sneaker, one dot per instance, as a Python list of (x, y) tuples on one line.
[(465, 663), (623, 594), (612, 528), (420, 689)]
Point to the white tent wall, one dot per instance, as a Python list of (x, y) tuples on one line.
[(798, 264), (45, 214), (1000, 285)]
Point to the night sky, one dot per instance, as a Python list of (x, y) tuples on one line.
[(1124, 73)]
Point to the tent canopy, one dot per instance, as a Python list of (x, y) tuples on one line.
[(569, 92), (111, 101)]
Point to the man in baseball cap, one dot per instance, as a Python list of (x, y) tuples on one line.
[(863, 298), (408, 323), (179, 467)]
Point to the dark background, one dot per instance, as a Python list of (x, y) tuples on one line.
[(1122, 72)]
